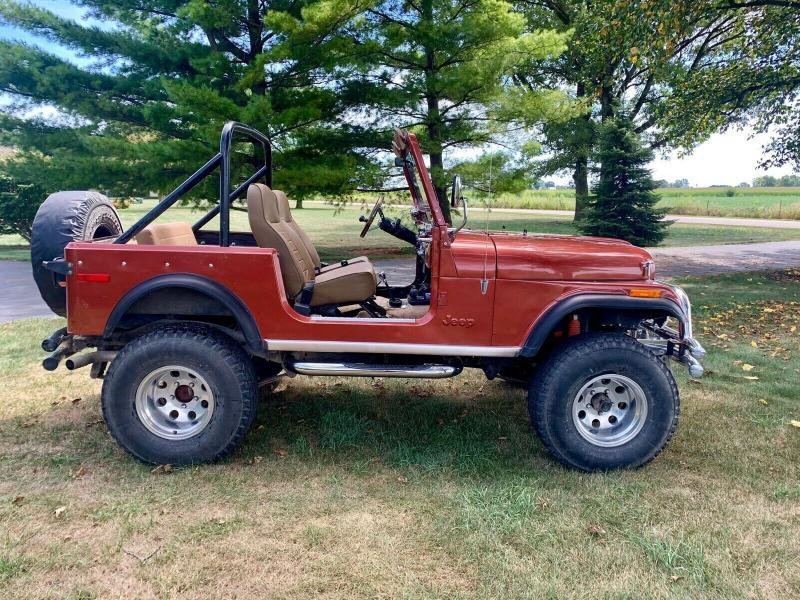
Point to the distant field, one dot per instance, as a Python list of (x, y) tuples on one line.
[(772, 203), (336, 232)]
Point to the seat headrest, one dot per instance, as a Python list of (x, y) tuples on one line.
[(262, 201), (283, 206)]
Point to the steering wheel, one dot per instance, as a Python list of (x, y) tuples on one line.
[(376, 210)]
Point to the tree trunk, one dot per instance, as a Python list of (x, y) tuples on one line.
[(581, 178), (580, 175), (298, 203), (434, 122)]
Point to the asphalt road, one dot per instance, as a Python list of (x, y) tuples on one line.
[(19, 297)]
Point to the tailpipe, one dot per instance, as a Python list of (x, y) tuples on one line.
[(53, 360), (353, 369), (89, 358)]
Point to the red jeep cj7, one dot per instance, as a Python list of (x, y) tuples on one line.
[(184, 324)]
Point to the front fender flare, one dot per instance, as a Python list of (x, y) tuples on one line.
[(223, 295), (554, 315)]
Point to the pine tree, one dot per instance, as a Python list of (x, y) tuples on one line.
[(442, 68), (623, 205), (144, 105)]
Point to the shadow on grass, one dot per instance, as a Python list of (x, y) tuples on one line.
[(356, 426)]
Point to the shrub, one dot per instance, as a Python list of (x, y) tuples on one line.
[(730, 192), (18, 205), (624, 203)]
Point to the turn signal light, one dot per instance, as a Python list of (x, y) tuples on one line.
[(644, 293)]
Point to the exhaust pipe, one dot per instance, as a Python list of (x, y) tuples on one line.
[(373, 370), (82, 360), (51, 342), (64, 349)]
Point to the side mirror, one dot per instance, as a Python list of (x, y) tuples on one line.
[(457, 193)]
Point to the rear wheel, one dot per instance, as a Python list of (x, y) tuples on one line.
[(180, 395), (604, 401)]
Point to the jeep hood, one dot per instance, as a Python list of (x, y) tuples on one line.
[(553, 258)]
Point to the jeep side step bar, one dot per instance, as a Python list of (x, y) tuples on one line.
[(353, 369)]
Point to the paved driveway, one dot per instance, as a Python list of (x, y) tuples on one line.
[(19, 297)]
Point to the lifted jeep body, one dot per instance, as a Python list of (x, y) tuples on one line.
[(580, 320)]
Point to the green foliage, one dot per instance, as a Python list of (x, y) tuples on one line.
[(495, 173), (623, 205), (18, 205), (441, 68), (654, 60), (145, 107), (772, 181)]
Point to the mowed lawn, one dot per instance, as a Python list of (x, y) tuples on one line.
[(335, 231), (352, 488)]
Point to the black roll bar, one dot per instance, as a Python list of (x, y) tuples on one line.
[(222, 160)]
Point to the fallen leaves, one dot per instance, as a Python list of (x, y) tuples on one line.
[(161, 469), (17, 500), (794, 423), (59, 511), (746, 367)]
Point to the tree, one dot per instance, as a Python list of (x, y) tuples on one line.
[(630, 56), (753, 80), (440, 67), (18, 205), (145, 107), (624, 201), (495, 173)]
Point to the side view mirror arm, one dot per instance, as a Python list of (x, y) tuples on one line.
[(465, 216)]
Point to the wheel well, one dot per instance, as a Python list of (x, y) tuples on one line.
[(181, 298), (595, 313)]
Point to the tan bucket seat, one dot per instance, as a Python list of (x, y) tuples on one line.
[(286, 215), (348, 284)]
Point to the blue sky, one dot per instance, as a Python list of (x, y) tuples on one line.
[(725, 159)]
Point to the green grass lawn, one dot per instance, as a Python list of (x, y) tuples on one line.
[(351, 488), (336, 231)]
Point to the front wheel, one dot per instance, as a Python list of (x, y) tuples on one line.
[(604, 401), (180, 395)]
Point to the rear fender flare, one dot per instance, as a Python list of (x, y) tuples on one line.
[(244, 318), (547, 323)]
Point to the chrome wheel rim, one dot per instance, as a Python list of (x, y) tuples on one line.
[(609, 410), (174, 402)]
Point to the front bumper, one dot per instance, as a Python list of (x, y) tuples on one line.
[(679, 345)]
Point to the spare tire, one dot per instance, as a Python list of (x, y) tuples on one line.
[(62, 218)]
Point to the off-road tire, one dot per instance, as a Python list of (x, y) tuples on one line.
[(215, 357), (558, 380), (62, 218)]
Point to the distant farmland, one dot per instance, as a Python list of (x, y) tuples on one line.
[(767, 202)]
